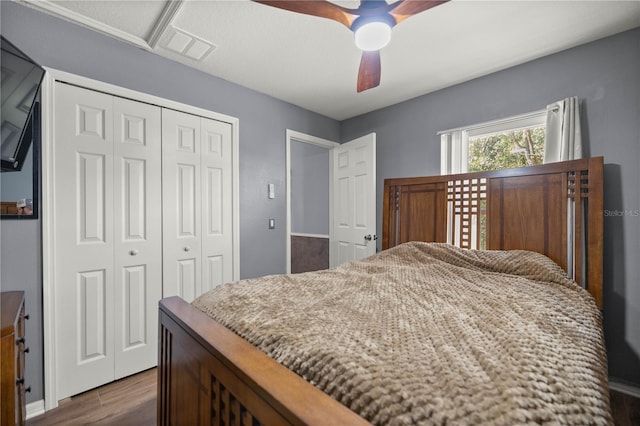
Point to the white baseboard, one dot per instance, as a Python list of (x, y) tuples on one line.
[(624, 388), (35, 408)]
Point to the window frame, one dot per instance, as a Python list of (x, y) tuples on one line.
[(454, 151)]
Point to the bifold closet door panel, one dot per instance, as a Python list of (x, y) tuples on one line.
[(137, 207), (108, 238), (182, 208), (217, 204), (84, 243), (197, 164)]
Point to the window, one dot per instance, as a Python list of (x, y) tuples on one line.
[(501, 144), (506, 143)]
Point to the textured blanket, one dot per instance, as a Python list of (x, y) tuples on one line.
[(427, 333)]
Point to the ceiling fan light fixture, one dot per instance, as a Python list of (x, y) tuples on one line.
[(371, 24), (373, 35)]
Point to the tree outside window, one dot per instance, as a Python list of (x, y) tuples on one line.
[(515, 148)]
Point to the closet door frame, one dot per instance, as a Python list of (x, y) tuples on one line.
[(48, 199)]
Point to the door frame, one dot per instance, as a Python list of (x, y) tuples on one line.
[(47, 94), (293, 136)]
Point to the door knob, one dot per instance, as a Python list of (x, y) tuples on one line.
[(187, 248), (133, 252), (370, 237)]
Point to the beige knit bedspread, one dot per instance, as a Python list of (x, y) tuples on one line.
[(427, 333)]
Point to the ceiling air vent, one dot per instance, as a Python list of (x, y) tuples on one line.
[(188, 45)]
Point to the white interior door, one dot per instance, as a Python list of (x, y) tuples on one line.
[(354, 200), (138, 234), (181, 206), (84, 241)]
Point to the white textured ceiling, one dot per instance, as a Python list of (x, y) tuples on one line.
[(313, 62)]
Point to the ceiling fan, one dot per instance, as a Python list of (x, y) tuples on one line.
[(371, 23)]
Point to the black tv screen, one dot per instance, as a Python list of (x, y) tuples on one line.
[(21, 78)]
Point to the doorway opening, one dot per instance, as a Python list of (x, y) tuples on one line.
[(309, 202)]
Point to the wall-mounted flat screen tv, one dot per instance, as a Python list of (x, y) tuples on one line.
[(21, 78)]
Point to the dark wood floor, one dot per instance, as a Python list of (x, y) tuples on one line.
[(132, 401), (625, 408)]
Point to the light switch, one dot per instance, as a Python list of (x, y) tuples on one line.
[(272, 224), (272, 191)]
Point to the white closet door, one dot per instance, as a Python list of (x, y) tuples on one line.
[(217, 206), (84, 243), (108, 237), (181, 211), (138, 234)]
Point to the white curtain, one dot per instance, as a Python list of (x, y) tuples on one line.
[(562, 139), (563, 142)]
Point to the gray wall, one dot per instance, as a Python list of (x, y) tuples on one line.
[(263, 121), (309, 189), (605, 75)]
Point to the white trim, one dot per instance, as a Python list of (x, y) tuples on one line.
[(488, 124), (79, 19), (624, 388), (34, 409), (334, 247), (292, 135), (123, 92), (302, 234), (445, 154), (313, 140), (454, 154), (235, 146), (164, 21), (48, 238), (166, 18), (48, 199)]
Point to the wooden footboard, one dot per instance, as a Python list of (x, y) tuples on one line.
[(209, 375)]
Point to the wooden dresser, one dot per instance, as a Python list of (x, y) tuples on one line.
[(12, 387), (8, 207)]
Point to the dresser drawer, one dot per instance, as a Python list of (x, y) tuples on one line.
[(13, 348)]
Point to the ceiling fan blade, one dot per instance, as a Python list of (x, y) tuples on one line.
[(407, 8), (369, 73), (322, 9)]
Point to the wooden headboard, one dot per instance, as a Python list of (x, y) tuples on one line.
[(552, 209)]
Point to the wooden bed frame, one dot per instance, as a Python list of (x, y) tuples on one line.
[(209, 375)]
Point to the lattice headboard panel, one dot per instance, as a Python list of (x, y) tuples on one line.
[(554, 209), (467, 205)]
